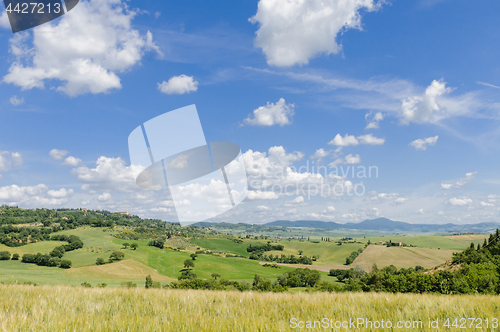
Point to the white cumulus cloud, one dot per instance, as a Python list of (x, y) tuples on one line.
[(104, 197), (320, 154), (347, 140), (56, 154), (423, 143), (294, 31), (10, 160), (85, 50), (72, 161), (350, 140), (426, 107), (272, 114), (370, 140), (460, 201), (178, 85)]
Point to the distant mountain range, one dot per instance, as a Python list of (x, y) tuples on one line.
[(380, 224)]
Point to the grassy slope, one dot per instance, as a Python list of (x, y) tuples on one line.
[(26, 308), (169, 263), (432, 242), (222, 244), (328, 252), (401, 257)]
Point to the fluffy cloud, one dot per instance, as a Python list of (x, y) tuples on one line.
[(56, 154), (320, 154), (460, 201), (274, 172), (297, 200), (485, 204), (425, 107), (400, 200), (14, 100), (61, 193), (272, 114), (72, 161), (374, 120), (253, 194), (349, 159), (347, 140), (178, 85), (10, 160), (350, 140), (104, 197), (371, 140), (460, 183), (85, 50), (423, 143), (293, 32), (109, 175), (33, 196)]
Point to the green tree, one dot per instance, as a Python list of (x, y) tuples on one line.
[(126, 245), (100, 261), (86, 284), (193, 256), (116, 256), (65, 264), (15, 257), (188, 263), (4, 255), (134, 246), (215, 276), (301, 252), (149, 282)]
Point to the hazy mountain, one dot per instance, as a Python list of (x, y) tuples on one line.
[(384, 224), (379, 224)]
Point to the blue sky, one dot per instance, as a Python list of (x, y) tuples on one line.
[(411, 87)]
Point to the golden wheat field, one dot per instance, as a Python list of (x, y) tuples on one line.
[(65, 308)]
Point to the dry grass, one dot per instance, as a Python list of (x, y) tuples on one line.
[(64, 308), (128, 269), (401, 257)]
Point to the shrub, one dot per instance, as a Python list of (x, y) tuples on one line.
[(15, 257), (54, 261), (129, 284), (4, 255), (65, 264), (100, 261), (116, 256)]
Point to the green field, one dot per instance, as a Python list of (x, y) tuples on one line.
[(432, 242), (167, 265), (328, 252), (223, 244)]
